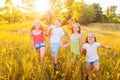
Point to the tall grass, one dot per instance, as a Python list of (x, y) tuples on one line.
[(19, 61)]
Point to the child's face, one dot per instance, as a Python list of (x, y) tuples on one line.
[(75, 28), (37, 24), (58, 23), (91, 38)]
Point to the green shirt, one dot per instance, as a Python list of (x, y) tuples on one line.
[(75, 46)]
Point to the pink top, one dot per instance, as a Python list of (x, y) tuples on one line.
[(39, 38)]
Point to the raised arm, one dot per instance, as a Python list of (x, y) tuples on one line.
[(48, 31), (104, 46)]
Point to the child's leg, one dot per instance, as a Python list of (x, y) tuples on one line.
[(85, 72), (42, 53), (55, 58), (55, 47), (38, 51), (87, 69), (95, 68)]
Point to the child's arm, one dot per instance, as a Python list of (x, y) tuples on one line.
[(45, 31), (66, 45), (32, 41), (80, 43), (104, 46), (48, 31), (83, 52)]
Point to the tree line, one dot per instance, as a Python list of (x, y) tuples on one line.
[(77, 11)]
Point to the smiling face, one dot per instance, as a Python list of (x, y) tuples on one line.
[(37, 24), (76, 28), (58, 22), (91, 38)]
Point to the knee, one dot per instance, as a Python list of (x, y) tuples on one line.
[(96, 69)]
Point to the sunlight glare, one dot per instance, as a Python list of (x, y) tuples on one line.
[(41, 6), (17, 2)]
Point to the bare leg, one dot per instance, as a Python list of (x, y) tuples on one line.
[(87, 69), (55, 61), (42, 54), (55, 57), (38, 51), (95, 69)]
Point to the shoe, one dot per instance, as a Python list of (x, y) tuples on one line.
[(55, 66)]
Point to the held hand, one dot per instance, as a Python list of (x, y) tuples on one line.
[(108, 47)]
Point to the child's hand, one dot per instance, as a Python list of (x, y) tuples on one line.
[(66, 45), (62, 46), (108, 47)]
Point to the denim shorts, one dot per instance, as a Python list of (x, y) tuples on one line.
[(39, 45), (55, 47), (90, 63)]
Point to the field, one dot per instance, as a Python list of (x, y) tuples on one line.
[(19, 61)]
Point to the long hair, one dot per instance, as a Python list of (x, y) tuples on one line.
[(86, 41), (77, 24), (33, 27), (58, 19)]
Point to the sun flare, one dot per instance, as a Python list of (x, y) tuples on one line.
[(41, 6)]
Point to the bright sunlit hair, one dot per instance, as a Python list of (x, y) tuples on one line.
[(37, 21), (41, 6), (95, 40)]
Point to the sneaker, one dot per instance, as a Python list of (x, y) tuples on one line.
[(55, 66)]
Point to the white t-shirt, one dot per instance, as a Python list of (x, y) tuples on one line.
[(56, 34), (91, 51)]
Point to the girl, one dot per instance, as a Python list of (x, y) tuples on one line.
[(90, 47), (56, 33), (37, 34), (75, 42)]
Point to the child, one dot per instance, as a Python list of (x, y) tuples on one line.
[(75, 41), (91, 46), (37, 34), (56, 33)]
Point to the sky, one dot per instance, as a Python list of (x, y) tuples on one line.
[(103, 3)]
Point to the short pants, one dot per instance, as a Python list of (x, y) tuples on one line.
[(54, 48), (39, 45), (90, 63)]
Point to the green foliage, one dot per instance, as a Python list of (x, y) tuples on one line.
[(98, 12), (12, 17), (82, 13), (113, 20), (110, 11), (67, 10)]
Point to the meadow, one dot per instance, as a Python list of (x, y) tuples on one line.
[(19, 61)]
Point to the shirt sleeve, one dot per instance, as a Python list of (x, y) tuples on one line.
[(84, 46), (98, 44), (51, 26), (62, 32)]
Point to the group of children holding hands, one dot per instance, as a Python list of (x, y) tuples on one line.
[(77, 49)]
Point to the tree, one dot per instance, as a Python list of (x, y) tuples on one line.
[(83, 13), (98, 11), (110, 13)]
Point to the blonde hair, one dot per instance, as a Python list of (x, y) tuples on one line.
[(78, 25), (33, 27), (89, 35)]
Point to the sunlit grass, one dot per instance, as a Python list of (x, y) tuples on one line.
[(19, 61)]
